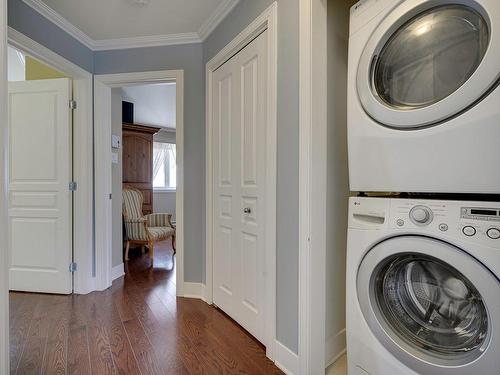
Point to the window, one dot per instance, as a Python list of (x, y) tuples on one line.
[(164, 166)]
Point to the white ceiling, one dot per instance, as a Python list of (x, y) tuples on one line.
[(111, 24), (153, 104)]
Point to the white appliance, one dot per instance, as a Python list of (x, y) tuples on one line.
[(423, 96), (423, 289)]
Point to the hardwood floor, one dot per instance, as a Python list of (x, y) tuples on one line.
[(137, 326)]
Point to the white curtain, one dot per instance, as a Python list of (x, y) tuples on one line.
[(159, 156), (164, 157)]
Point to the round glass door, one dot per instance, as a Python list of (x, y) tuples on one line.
[(430, 57), (431, 305), (428, 61)]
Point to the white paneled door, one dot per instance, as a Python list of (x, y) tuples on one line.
[(239, 164), (40, 202)]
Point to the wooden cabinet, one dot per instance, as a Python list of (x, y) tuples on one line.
[(138, 161)]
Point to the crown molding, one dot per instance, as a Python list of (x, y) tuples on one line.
[(216, 18), (146, 41), (135, 42), (61, 22)]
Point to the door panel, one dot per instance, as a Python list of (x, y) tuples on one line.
[(40, 209), (239, 144)]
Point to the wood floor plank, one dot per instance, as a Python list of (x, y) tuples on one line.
[(19, 329), (32, 358), (99, 348), (143, 350), (136, 327), (55, 362)]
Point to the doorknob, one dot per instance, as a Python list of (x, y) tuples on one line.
[(247, 210)]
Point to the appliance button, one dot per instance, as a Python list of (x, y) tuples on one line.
[(400, 222), (469, 231), (443, 227), (493, 233)]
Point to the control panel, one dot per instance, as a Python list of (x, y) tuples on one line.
[(479, 222)]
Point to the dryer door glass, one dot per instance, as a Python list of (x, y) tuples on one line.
[(431, 305), (430, 57)]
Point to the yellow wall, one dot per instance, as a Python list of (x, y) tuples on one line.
[(37, 70)]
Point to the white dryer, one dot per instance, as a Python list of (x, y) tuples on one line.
[(423, 289), (423, 96)]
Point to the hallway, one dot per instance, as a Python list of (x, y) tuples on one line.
[(135, 327)]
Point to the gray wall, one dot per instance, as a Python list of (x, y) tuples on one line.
[(27, 21), (337, 176), (164, 202), (190, 58), (117, 226), (288, 149)]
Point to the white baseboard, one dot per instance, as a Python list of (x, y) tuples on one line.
[(286, 360), (335, 347), (117, 272), (194, 290)]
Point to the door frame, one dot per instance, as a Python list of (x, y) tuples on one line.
[(83, 227), (103, 83), (265, 21), (4, 280), (313, 123)]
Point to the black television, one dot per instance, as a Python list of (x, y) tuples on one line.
[(127, 112)]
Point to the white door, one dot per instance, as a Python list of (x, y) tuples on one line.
[(40, 203), (239, 165)]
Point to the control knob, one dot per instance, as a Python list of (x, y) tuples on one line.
[(421, 215)]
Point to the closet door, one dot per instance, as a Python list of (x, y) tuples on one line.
[(239, 144)]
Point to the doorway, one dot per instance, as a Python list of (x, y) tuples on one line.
[(144, 180), (137, 181)]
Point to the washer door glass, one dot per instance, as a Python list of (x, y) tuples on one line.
[(427, 61), (430, 57), (431, 305)]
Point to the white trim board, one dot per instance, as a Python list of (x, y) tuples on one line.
[(267, 20), (4, 139), (194, 290), (335, 347), (117, 272), (82, 155), (135, 42), (102, 125), (286, 360)]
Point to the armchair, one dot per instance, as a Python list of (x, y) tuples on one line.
[(141, 229)]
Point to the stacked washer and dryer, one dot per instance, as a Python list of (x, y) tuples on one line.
[(423, 272)]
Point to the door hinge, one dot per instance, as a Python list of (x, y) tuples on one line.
[(72, 104), (73, 186), (72, 267)]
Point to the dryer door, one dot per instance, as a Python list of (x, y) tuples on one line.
[(430, 60), (432, 305)]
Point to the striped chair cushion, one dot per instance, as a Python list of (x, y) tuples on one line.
[(132, 203), (160, 233)]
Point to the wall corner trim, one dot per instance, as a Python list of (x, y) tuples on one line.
[(286, 360), (117, 272), (335, 347), (194, 290)]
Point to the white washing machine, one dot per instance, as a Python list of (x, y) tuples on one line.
[(423, 96), (423, 289)]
